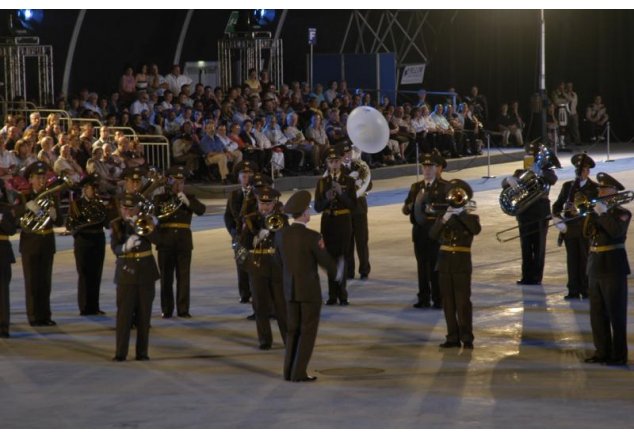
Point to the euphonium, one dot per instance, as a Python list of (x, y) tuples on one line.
[(35, 222)]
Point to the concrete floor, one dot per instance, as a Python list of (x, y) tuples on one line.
[(378, 361)]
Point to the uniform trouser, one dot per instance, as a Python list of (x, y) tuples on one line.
[(359, 238), (130, 298), (5, 305), (455, 289), (573, 128), (533, 242), (608, 315), (170, 262), (38, 271), (577, 249), (337, 233), (303, 321), (426, 251), (268, 292), (89, 263), (243, 283)]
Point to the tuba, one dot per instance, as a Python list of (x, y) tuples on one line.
[(35, 222), (530, 187)]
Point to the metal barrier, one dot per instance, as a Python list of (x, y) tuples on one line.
[(156, 150)]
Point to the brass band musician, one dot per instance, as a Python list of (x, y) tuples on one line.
[(571, 231), (175, 242), (86, 221), (608, 269)]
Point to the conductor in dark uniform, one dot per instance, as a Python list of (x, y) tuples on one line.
[(300, 250), (38, 248), (7, 228), (265, 272), (533, 221), (86, 220), (233, 218), (455, 231), (608, 269), (135, 275), (419, 205), (336, 199), (176, 244), (360, 173), (571, 231)]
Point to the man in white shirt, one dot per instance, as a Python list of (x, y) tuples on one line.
[(175, 80), (140, 104)]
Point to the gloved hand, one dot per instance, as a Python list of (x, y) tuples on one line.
[(511, 181), (455, 210), (181, 196), (263, 233), (561, 226), (600, 208), (33, 207), (52, 213), (132, 242), (446, 216), (354, 174)]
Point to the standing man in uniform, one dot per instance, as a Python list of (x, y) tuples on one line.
[(38, 249), (533, 221), (175, 244), (455, 231), (300, 250), (336, 197), (86, 221), (608, 268), (234, 219), (135, 275), (360, 172), (7, 228), (419, 205), (571, 231), (265, 274)]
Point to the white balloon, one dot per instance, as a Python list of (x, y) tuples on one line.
[(368, 129)]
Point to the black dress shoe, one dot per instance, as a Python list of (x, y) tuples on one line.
[(594, 359), (364, 277), (48, 322), (344, 302), (265, 346), (308, 378), (467, 345), (117, 358), (243, 300), (142, 358), (100, 313), (571, 296), (331, 302), (166, 315), (185, 315), (83, 313), (450, 344), (617, 362), (251, 317), (35, 323), (437, 306), (421, 305)]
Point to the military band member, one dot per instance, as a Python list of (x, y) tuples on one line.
[(86, 220), (455, 231), (234, 220), (336, 198), (7, 228), (533, 221), (135, 275), (176, 244), (299, 251), (360, 172), (38, 248), (571, 231), (265, 273), (419, 205), (608, 269)]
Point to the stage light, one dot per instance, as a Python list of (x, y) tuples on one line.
[(263, 17), (28, 17)]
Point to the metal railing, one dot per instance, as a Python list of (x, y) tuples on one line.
[(156, 149)]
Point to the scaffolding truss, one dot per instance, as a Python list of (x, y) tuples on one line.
[(238, 54), (18, 72)]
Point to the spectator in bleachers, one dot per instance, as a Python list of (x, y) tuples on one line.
[(331, 93), (36, 121), (167, 103), (124, 120), (9, 121), (507, 126), (141, 78), (127, 86), (343, 89), (171, 127), (297, 141), (264, 143), (183, 153), (253, 82), (318, 93), (114, 163), (334, 129), (473, 129), (175, 80), (91, 104), (402, 131), (480, 105), (420, 127), (596, 117), (250, 150), (114, 104), (104, 137), (516, 120), (139, 123), (457, 124), (156, 126), (156, 82), (234, 155), (140, 104), (85, 151), (184, 96), (136, 154), (316, 132), (240, 115), (96, 165), (8, 164), (65, 165), (446, 143), (199, 92), (552, 125), (213, 150), (46, 153), (265, 81)]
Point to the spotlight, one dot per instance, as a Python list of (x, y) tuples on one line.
[(262, 18)]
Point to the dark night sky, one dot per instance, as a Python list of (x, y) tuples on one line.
[(497, 50)]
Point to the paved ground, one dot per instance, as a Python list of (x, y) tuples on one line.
[(377, 360)]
